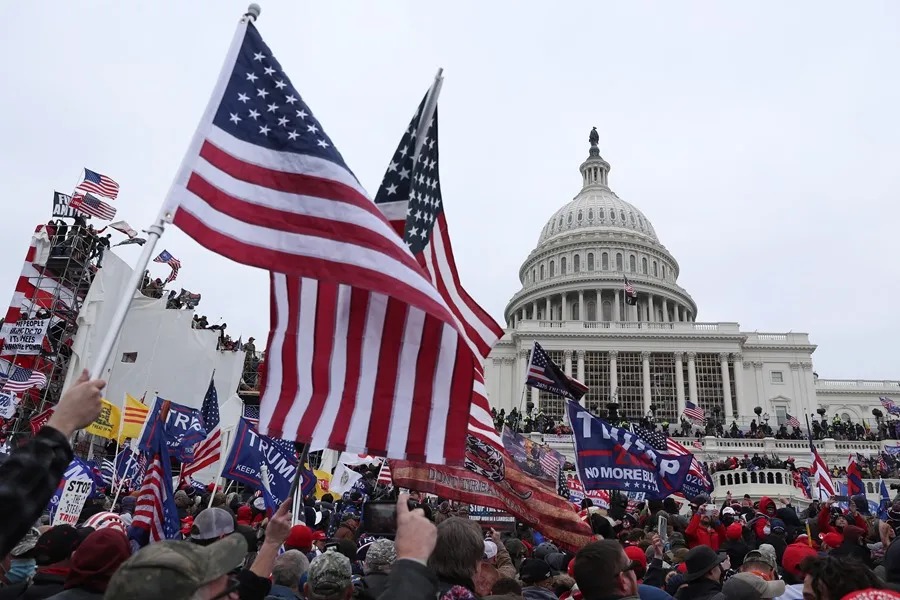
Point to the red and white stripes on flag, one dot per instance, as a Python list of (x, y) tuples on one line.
[(822, 485), (148, 511), (384, 474), (206, 454), (364, 354)]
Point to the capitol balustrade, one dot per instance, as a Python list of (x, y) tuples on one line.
[(857, 384), (777, 483), (650, 326)]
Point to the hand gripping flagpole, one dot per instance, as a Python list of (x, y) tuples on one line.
[(154, 232)]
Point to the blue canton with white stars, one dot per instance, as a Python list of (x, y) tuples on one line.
[(210, 409), (262, 107), (419, 184)]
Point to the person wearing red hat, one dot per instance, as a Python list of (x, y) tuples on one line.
[(793, 576), (832, 519), (300, 538), (734, 544), (94, 563), (831, 540), (639, 556)]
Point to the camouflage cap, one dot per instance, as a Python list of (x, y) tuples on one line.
[(381, 554), (175, 569), (329, 573)]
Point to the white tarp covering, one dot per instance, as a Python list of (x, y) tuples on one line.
[(170, 359)]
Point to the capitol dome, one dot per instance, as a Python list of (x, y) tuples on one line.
[(587, 251)]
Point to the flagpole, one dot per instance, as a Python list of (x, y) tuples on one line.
[(122, 482), (154, 232), (303, 451), (428, 113)]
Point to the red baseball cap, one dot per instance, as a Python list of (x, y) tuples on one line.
[(319, 536), (299, 538), (832, 539)]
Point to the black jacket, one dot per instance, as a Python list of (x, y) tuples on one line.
[(411, 581), (701, 589), (736, 550)]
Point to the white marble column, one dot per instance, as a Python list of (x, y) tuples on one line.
[(692, 378), (567, 357), (738, 381), (521, 368), (547, 315), (679, 383), (564, 316), (613, 376), (616, 316), (598, 306), (582, 309), (580, 362), (665, 311), (651, 313), (534, 311), (726, 386), (648, 397), (760, 385)]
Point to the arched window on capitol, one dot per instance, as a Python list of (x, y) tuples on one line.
[(576, 263), (562, 265), (590, 261), (542, 272), (552, 268), (620, 263), (607, 310), (576, 312), (655, 269), (632, 264), (604, 261), (644, 265)]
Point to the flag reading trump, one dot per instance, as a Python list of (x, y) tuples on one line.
[(610, 458)]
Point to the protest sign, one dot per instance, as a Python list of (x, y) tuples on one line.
[(76, 472), (25, 336), (489, 517), (8, 403)]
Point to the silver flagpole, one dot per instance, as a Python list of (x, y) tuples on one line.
[(428, 112)]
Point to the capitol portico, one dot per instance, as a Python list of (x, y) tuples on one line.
[(654, 353)]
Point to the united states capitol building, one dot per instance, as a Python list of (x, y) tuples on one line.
[(657, 353)]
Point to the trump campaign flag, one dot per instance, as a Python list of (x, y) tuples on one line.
[(546, 375), (610, 458), (181, 427), (251, 454), (854, 478)]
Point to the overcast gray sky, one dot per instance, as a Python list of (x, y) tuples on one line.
[(762, 139)]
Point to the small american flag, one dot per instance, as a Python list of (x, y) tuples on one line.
[(107, 471), (209, 450), (630, 293), (384, 474), (155, 509), (550, 463), (822, 485), (125, 228), (93, 206), (95, 183), (694, 412), (546, 375), (792, 421), (697, 444), (167, 259), (21, 379)]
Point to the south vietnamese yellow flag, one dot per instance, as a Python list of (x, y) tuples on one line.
[(135, 414), (107, 424)]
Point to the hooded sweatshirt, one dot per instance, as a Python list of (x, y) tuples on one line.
[(851, 546)]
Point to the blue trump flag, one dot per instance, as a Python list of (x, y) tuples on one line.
[(251, 454), (610, 458), (183, 430), (885, 504), (78, 470)]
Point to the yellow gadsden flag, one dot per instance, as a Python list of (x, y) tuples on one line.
[(107, 424), (135, 415)]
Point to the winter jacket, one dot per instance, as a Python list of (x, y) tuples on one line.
[(698, 535), (410, 580), (851, 546), (537, 593), (737, 550), (825, 526), (762, 518), (42, 586), (701, 589)]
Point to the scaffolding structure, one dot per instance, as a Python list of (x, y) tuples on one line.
[(59, 267)]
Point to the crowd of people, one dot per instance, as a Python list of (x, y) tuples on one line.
[(536, 421), (230, 546)]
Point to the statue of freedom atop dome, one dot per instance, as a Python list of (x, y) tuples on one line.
[(594, 138)]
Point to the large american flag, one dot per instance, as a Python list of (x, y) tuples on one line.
[(664, 443), (98, 184), (20, 379), (363, 354), (630, 293), (889, 405), (822, 485), (410, 197), (93, 206), (792, 421), (694, 412), (167, 259), (209, 450)]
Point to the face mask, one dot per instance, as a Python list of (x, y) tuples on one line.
[(20, 569), (767, 530)]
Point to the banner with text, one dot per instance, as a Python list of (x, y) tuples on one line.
[(610, 458), (62, 209), (24, 337), (76, 486), (252, 454), (8, 403), (107, 424), (183, 429)]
